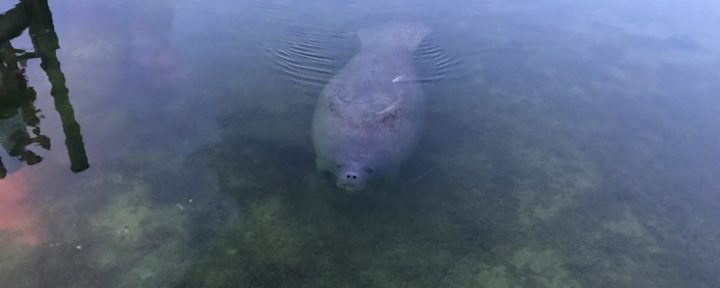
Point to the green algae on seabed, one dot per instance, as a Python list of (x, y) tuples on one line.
[(494, 276), (558, 181), (629, 226), (14, 259), (524, 268), (145, 240), (543, 269), (112, 231), (128, 240)]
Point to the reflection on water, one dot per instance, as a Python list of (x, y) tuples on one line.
[(16, 97), (18, 220), (566, 145), (20, 127)]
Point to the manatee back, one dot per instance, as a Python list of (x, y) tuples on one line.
[(373, 109), (407, 35)]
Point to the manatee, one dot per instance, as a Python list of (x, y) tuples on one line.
[(368, 118)]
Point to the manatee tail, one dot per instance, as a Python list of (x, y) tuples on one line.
[(409, 35)]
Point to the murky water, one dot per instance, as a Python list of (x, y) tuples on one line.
[(566, 144)]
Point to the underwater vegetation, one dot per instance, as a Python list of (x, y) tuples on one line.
[(554, 155)]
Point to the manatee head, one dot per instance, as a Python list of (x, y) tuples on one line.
[(353, 176)]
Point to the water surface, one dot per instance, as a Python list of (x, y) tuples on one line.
[(567, 144)]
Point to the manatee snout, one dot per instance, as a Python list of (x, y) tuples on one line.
[(352, 178)]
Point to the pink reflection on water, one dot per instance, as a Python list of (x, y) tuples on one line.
[(17, 217)]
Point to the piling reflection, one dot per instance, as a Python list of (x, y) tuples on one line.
[(19, 121)]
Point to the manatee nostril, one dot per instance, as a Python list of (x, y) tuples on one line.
[(354, 177), (347, 176)]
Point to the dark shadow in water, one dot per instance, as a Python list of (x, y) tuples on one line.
[(17, 97)]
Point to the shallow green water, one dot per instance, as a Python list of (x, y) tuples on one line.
[(567, 144)]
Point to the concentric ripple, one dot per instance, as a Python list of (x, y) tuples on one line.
[(307, 59), (310, 58)]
